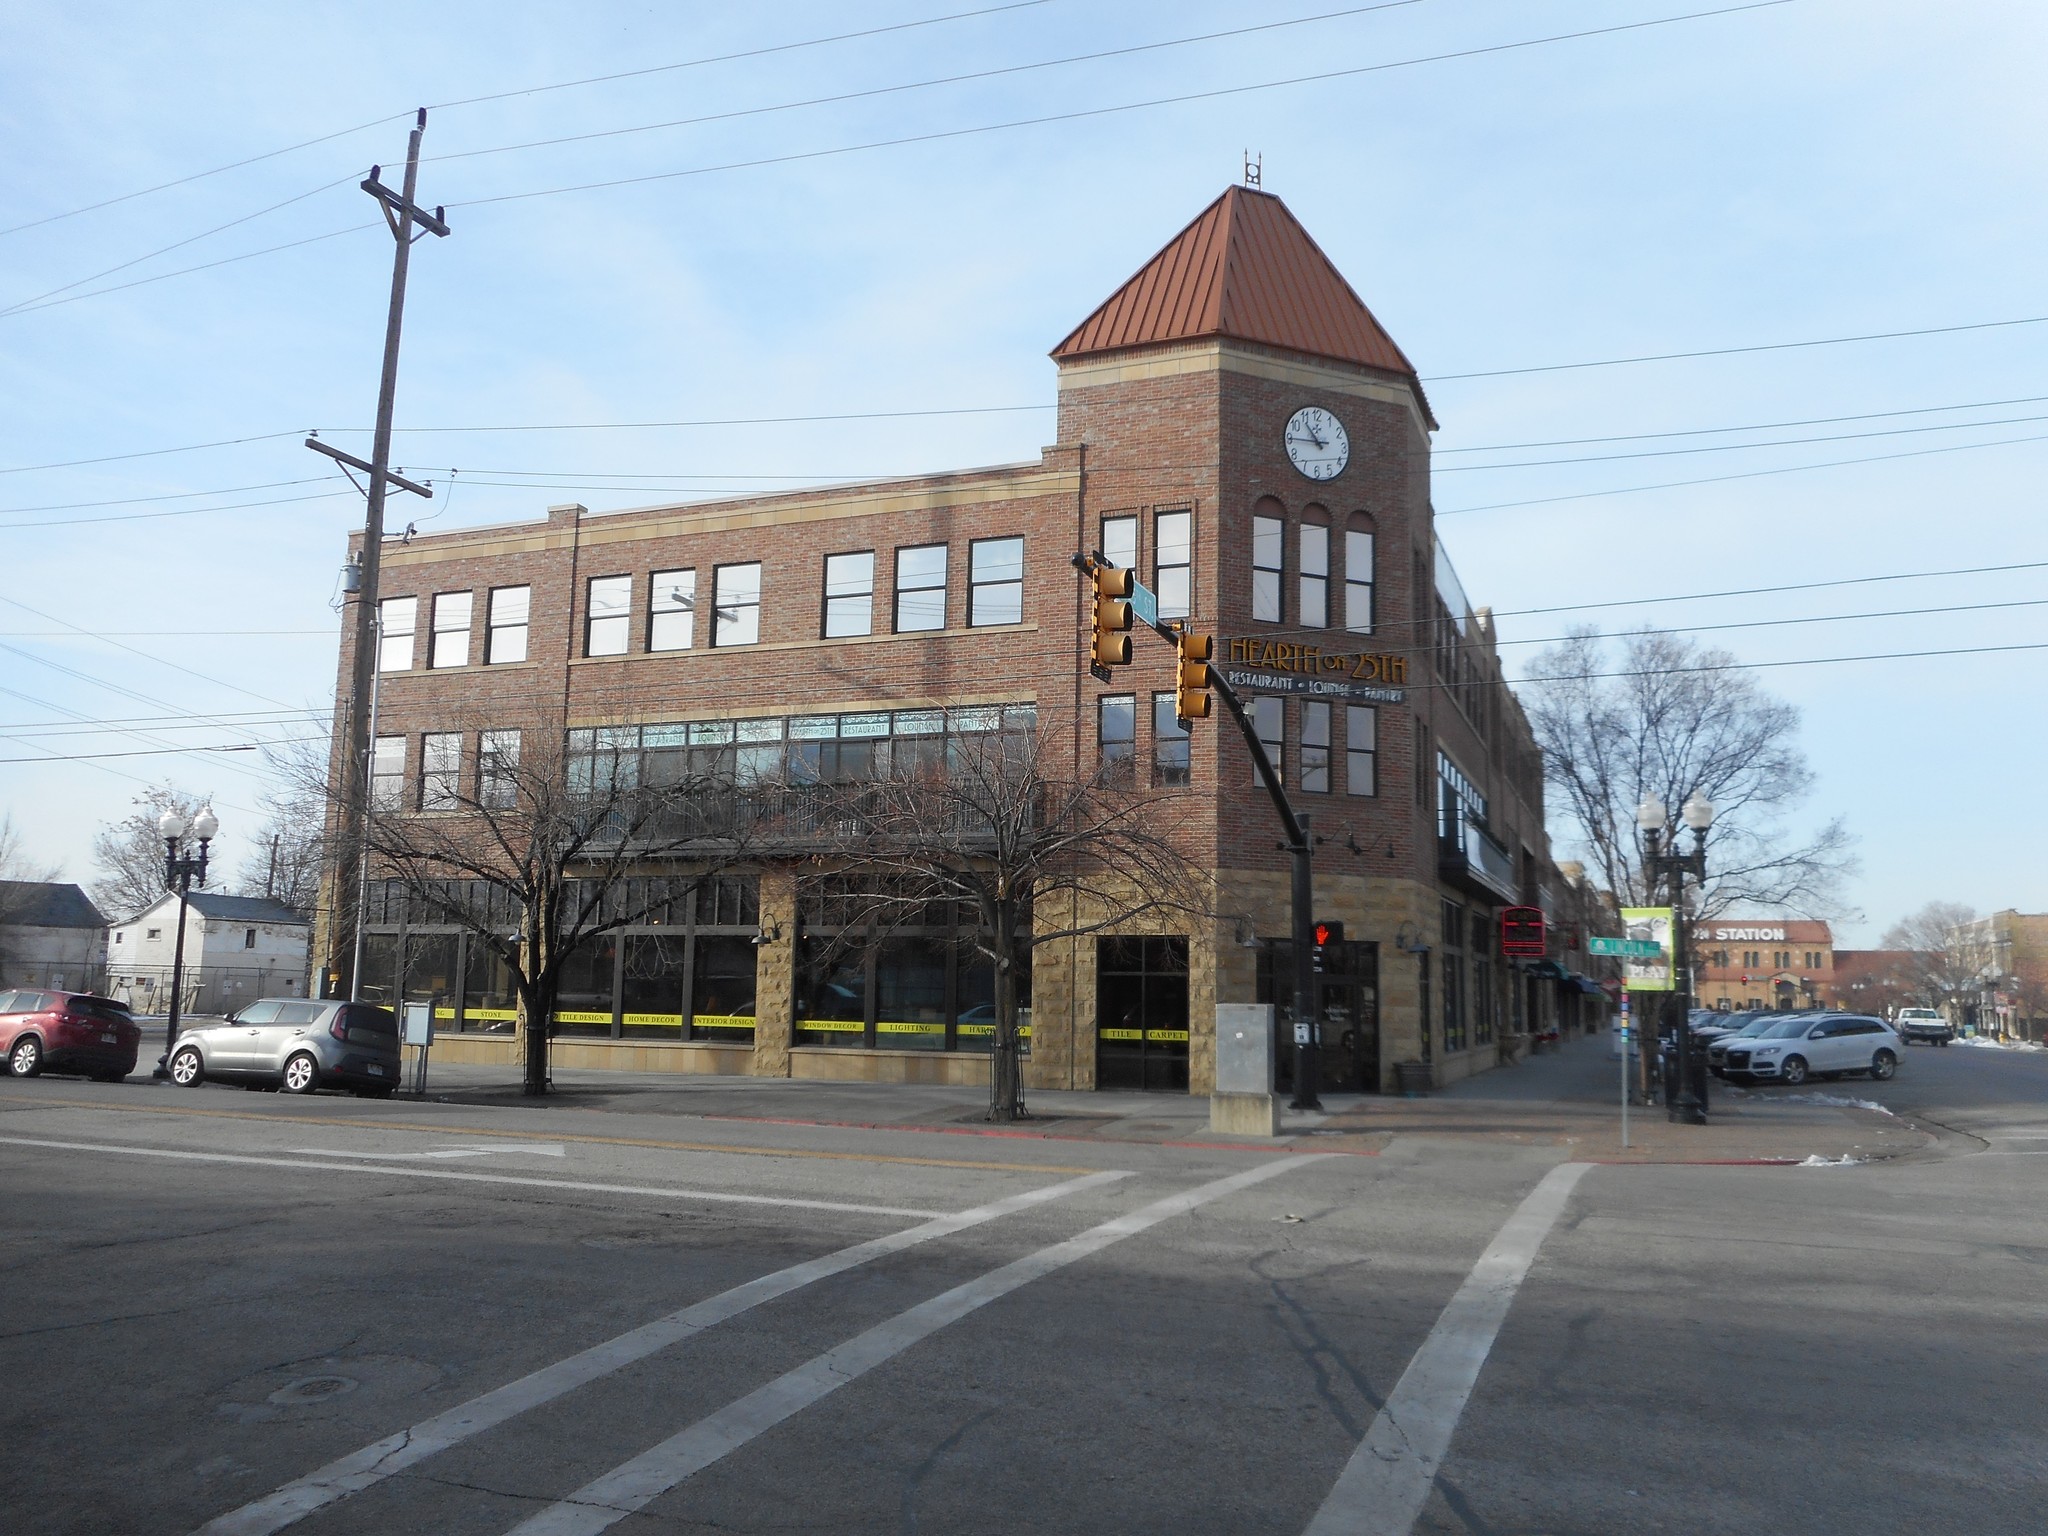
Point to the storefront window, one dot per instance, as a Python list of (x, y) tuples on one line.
[(722, 997), (832, 1002), (910, 994), (651, 986), (489, 1003), (379, 981), (583, 1000)]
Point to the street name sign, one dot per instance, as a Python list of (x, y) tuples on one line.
[(1633, 949)]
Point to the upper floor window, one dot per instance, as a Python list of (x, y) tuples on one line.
[(396, 618), (1315, 746), (387, 773), (1169, 742), (440, 770), (249, 938), (608, 616), (497, 756), (451, 629), (1116, 733), (505, 639), (850, 594), (995, 593), (1120, 540), (671, 610), (1268, 557), (920, 588), (1315, 575), (1173, 556), (1361, 749), (1269, 724), (1358, 581), (736, 595)]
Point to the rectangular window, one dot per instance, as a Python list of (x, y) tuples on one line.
[(387, 773), (1173, 559), (671, 610), (850, 594), (1315, 575), (506, 638), (1358, 582), (1269, 716), (249, 939), (1116, 730), (1315, 747), (609, 616), (1120, 541), (1361, 749), (451, 629), (497, 769), (920, 588), (396, 617), (736, 591), (440, 770), (995, 593), (1169, 743), (1268, 554)]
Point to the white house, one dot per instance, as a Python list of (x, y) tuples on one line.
[(237, 949), (51, 935)]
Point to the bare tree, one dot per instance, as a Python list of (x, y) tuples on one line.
[(1003, 825), (1671, 718), (129, 853), (1949, 953), (290, 848), (539, 845)]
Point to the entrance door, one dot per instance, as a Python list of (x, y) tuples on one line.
[(1141, 1014), (1351, 1035)]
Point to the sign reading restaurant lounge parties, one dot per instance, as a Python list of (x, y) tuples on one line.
[(1295, 666)]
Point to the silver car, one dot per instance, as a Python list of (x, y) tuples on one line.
[(294, 1044)]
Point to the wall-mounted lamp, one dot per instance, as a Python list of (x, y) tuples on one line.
[(1245, 936), (770, 932)]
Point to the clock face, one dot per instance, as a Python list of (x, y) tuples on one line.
[(1317, 443)]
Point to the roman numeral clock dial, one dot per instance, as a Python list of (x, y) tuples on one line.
[(1317, 443)]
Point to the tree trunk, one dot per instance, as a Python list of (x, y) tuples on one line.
[(1005, 1078)]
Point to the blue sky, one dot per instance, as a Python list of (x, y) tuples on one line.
[(1813, 169)]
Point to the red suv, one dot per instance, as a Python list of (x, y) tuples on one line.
[(67, 1032)]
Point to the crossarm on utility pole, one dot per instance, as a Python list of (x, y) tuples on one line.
[(368, 468)]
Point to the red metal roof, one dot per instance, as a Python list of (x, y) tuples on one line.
[(1245, 268)]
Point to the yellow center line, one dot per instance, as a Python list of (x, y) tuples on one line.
[(506, 1135)]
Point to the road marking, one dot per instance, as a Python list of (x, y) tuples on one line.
[(28, 1102), (551, 1149), (659, 1191), (394, 1453), (1387, 1480), (633, 1485)]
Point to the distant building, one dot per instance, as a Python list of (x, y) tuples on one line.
[(51, 935), (1879, 981), (237, 949), (1763, 962), (2010, 998)]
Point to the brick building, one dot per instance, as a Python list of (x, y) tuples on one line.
[(1236, 425), (1757, 962)]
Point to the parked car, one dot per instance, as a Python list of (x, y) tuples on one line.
[(1830, 1045), (67, 1032), (294, 1044), (1923, 1026), (1747, 1026), (1709, 1025)]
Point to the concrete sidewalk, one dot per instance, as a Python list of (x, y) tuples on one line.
[(1567, 1098)]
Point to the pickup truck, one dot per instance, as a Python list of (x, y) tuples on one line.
[(1923, 1026)]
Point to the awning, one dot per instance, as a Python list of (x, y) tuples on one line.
[(1549, 970), (1589, 986)]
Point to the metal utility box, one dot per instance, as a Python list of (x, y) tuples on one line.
[(1243, 1103)]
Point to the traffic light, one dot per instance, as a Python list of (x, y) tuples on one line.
[(1327, 936), (1191, 682), (1112, 615)]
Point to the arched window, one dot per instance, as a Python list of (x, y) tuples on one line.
[(1315, 566), (1269, 559), (1358, 574)]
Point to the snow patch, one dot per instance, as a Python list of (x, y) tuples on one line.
[(2000, 1045), (1839, 1101), (1817, 1161)]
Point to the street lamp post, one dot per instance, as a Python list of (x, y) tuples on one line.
[(1663, 862), (181, 872)]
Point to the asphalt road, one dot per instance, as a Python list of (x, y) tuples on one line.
[(238, 1312)]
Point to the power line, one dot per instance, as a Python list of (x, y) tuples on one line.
[(727, 58), (1802, 661), (1823, 618), (86, 757), (1754, 474), (137, 517), (204, 266), (1795, 586), (919, 85), (152, 453), (218, 682), (130, 501), (1759, 426), (187, 634), (1772, 346), (1131, 106)]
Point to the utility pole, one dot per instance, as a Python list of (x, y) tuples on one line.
[(402, 214)]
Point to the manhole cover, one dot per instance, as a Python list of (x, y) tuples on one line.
[(312, 1389)]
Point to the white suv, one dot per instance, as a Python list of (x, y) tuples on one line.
[(1815, 1044)]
